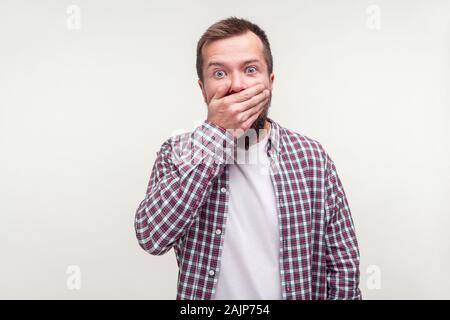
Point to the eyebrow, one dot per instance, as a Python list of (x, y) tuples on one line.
[(220, 64)]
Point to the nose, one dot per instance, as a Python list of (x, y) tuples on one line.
[(237, 83)]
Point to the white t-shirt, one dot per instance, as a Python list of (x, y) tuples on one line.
[(249, 267)]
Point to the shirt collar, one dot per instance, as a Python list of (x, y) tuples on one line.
[(273, 143)]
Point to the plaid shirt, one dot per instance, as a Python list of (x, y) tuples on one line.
[(186, 207)]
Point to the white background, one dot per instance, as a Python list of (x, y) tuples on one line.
[(84, 111)]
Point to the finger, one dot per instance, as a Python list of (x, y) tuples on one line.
[(253, 101), (255, 110), (249, 121), (222, 90), (246, 94)]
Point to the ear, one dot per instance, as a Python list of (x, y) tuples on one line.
[(272, 78), (202, 87)]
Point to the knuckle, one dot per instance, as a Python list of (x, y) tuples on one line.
[(245, 94), (234, 111)]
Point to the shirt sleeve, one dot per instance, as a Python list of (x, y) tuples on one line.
[(180, 182), (342, 253)]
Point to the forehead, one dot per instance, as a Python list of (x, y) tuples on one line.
[(233, 49)]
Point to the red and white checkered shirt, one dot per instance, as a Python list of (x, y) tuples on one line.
[(187, 202)]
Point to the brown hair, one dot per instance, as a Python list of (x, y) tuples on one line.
[(230, 27)]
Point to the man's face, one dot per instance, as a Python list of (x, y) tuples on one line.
[(241, 59)]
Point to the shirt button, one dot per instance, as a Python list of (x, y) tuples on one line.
[(288, 288), (211, 273), (218, 231), (223, 190)]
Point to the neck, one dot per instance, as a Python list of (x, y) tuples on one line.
[(245, 140)]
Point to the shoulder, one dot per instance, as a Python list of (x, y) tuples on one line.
[(204, 134), (304, 148), (175, 142)]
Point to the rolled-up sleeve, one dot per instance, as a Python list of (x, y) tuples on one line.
[(179, 185)]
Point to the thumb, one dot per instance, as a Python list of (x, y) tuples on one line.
[(222, 90)]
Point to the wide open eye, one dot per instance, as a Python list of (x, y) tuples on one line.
[(219, 74), (251, 69)]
